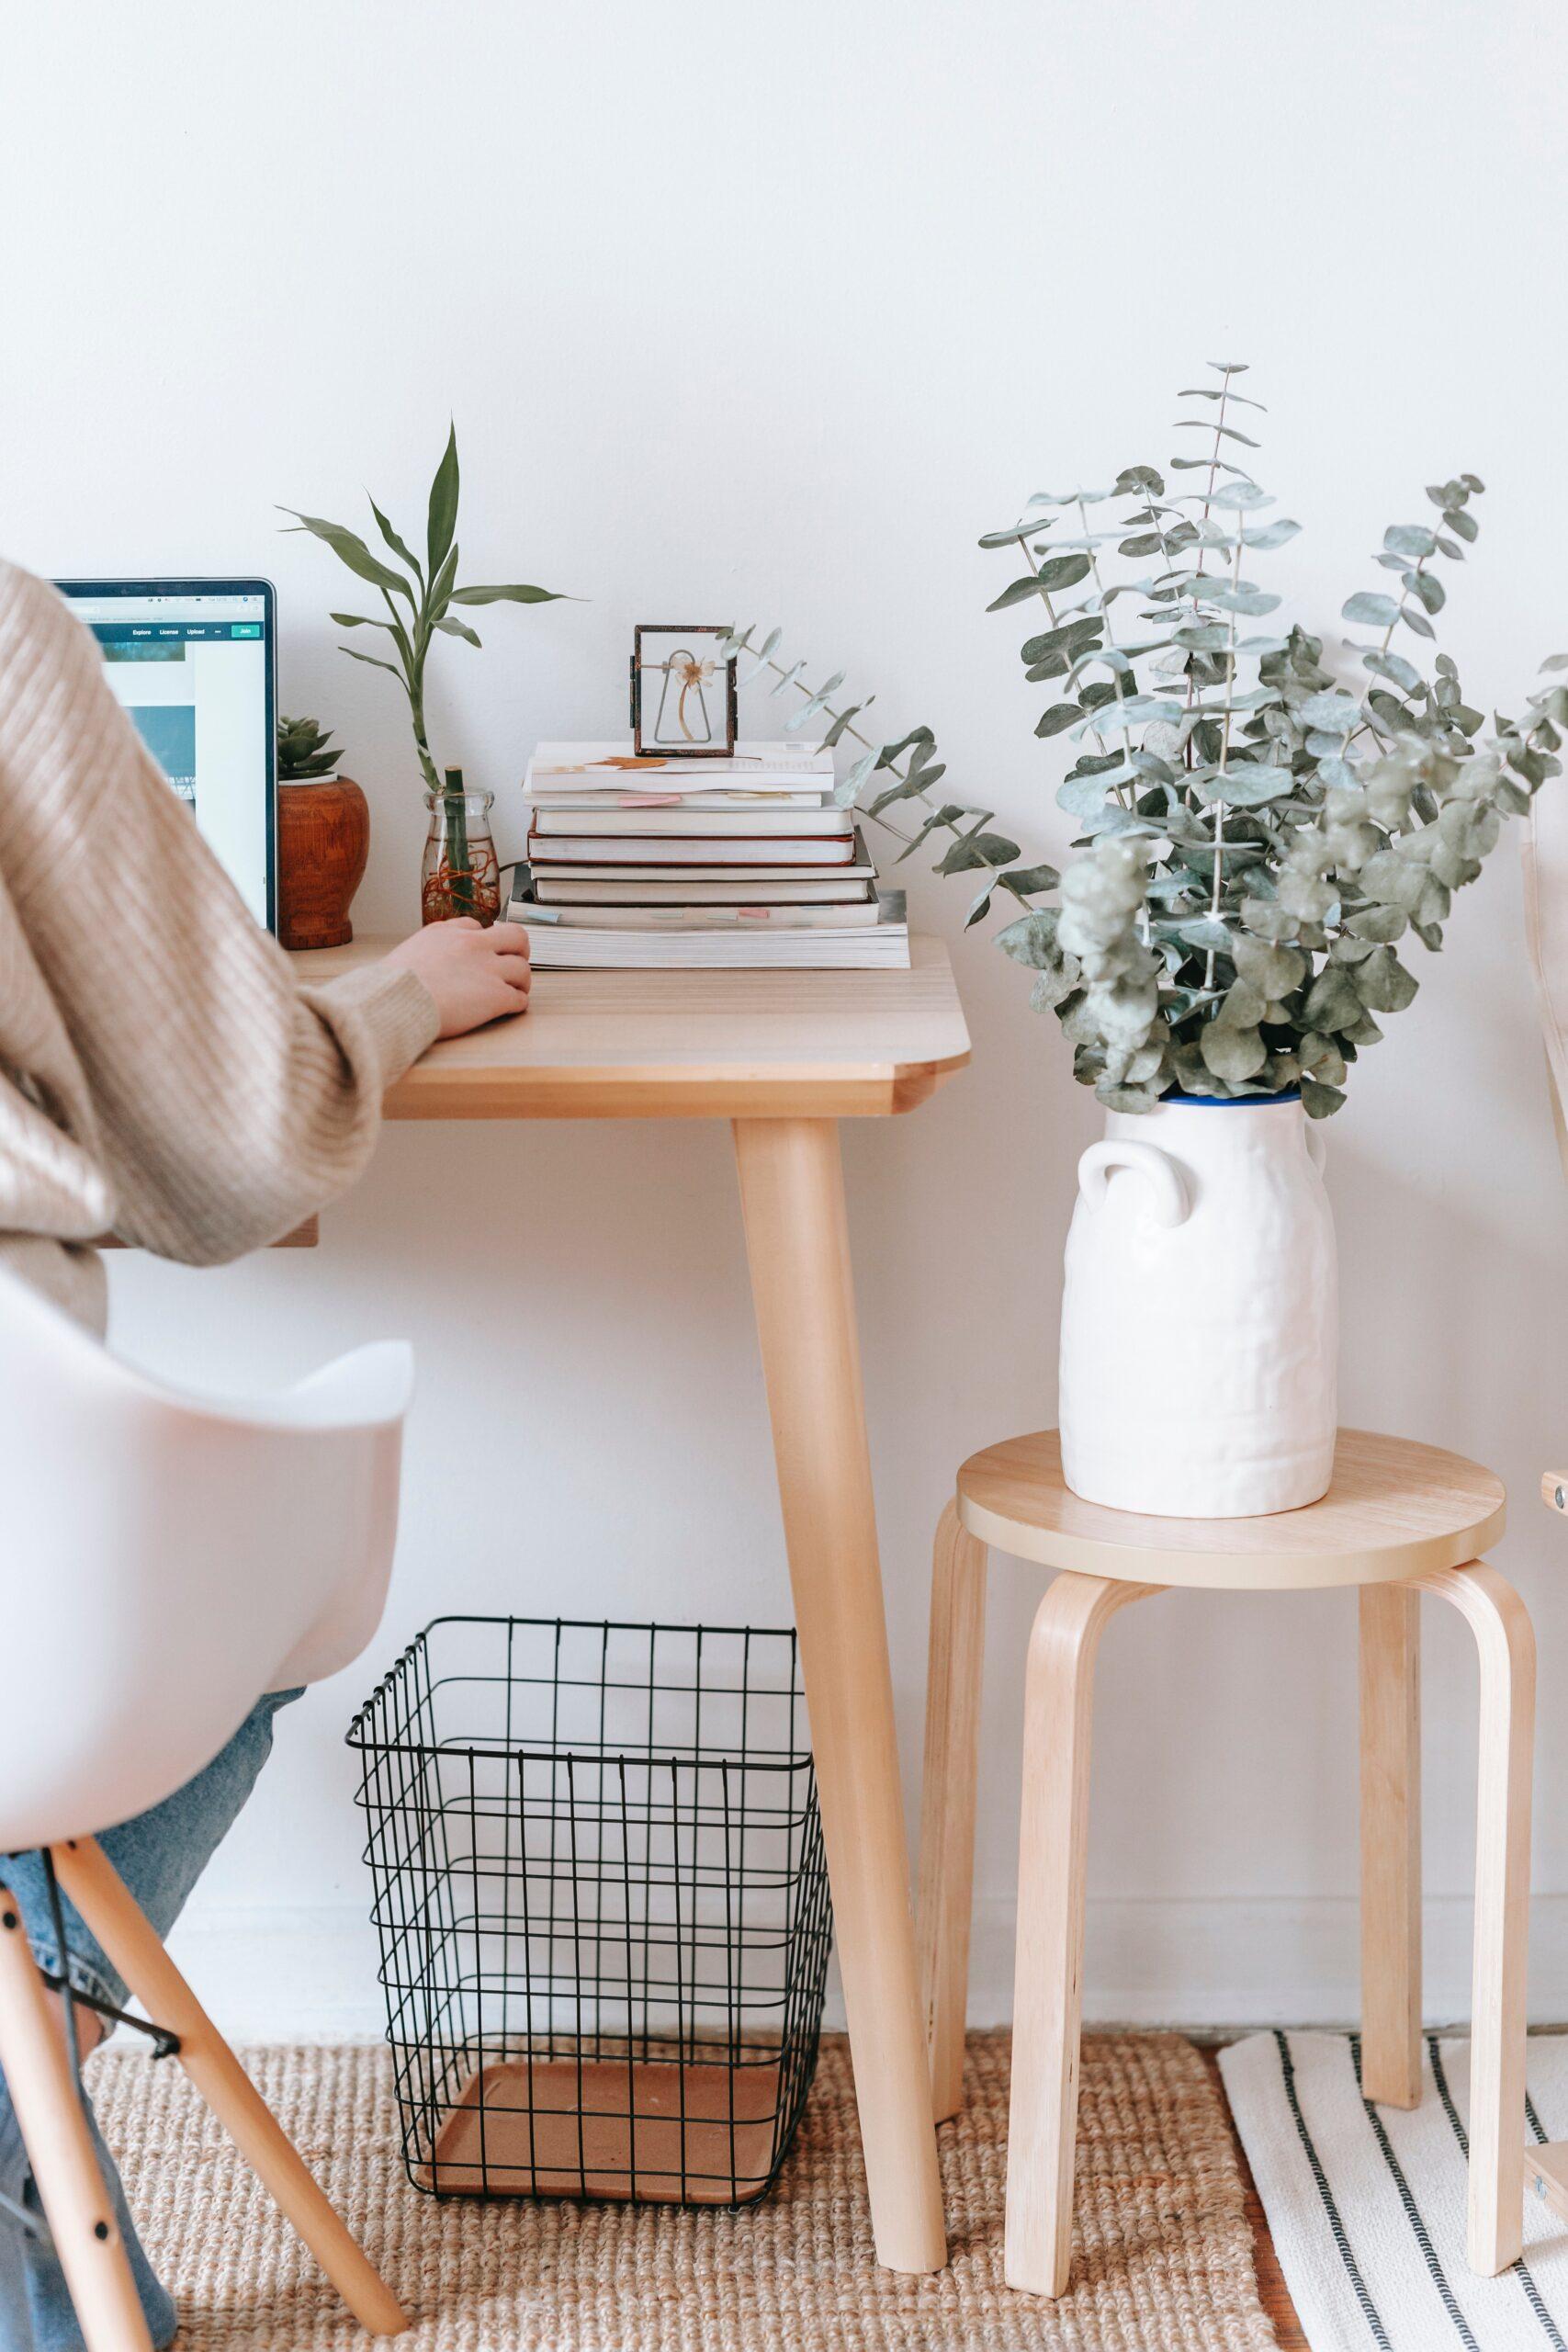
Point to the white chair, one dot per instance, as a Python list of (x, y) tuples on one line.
[(167, 1560)]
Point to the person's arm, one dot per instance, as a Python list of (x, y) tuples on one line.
[(229, 1101)]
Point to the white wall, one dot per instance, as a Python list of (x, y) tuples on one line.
[(769, 312)]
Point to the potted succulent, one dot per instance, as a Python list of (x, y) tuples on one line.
[(460, 873), (324, 838), (1264, 825)]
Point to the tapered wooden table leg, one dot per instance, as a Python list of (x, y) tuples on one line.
[(797, 1242), (112, 1914), (76, 2205), (1391, 1844), (946, 1879), (1506, 1641)]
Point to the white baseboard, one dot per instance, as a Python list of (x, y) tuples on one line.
[(310, 1974)]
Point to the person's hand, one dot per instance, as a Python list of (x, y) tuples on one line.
[(474, 975)]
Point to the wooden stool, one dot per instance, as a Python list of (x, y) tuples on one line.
[(1399, 1520)]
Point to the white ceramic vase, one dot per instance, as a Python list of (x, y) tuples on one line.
[(1200, 1318)]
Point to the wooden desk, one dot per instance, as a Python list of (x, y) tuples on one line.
[(784, 1056)]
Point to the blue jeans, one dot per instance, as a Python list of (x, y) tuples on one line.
[(160, 1855)]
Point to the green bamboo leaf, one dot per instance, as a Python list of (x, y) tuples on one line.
[(439, 594), (442, 522), (457, 628), (360, 620), (384, 527), (373, 662), (511, 595), (351, 550)]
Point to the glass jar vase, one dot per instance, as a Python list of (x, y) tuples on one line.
[(460, 874)]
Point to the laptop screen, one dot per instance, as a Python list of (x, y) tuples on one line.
[(192, 664)]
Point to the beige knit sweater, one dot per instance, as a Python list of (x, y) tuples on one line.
[(163, 1074)]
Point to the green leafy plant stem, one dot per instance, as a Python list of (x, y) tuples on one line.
[(418, 599)]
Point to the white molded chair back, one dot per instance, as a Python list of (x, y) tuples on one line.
[(163, 1560), (1545, 851)]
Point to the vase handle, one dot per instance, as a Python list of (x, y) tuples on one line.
[(1168, 1187), (1318, 1144)]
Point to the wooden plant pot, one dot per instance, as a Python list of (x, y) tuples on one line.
[(323, 840)]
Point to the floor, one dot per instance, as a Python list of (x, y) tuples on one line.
[(1271, 2284)]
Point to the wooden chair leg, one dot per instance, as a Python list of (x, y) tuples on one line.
[(113, 1915), (1498, 1619), (1391, 1844), (947, 1801), (1048, 1987), (76, 2205)]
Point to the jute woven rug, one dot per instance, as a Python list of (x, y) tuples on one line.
[(1163, 2259)]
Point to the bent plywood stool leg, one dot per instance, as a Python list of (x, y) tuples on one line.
[(54, 2132), (947, 1801), (113, 1915), (1048, 1988), (1391, 1844), (1506, 1640)]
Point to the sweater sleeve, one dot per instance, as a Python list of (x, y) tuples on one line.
[(229, 1101)]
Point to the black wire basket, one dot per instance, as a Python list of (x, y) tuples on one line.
[(603, 1906)]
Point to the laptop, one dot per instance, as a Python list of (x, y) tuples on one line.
[(195, 664)]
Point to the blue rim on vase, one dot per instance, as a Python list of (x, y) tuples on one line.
[(1232, 1101)]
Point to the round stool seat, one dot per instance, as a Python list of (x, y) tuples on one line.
[(1394, 1509)]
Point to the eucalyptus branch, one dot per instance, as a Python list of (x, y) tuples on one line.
[(1229, 923)]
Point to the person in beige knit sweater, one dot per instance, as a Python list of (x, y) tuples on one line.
[(163, 1077)]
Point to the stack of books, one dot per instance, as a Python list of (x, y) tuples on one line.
[(663, 863)]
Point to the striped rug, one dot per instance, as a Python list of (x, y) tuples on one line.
[(1366, 2204)]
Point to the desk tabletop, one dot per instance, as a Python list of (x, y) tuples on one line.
[(692, 1045)]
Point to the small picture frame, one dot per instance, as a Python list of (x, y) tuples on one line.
[(682, 692)]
